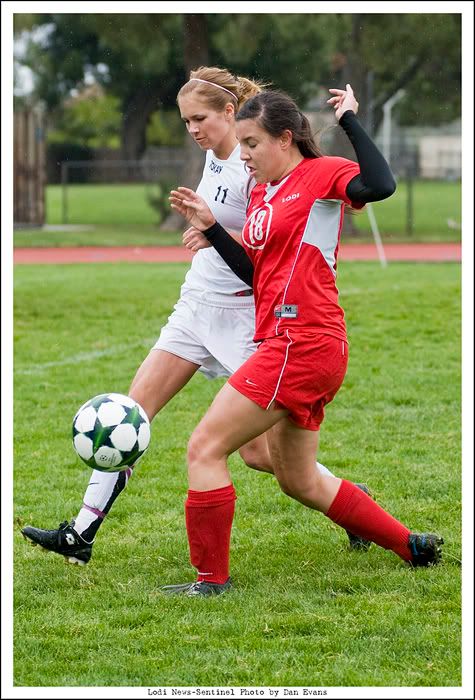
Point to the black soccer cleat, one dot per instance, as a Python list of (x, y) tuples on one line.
[(357, 542), (426, 549), (65, 541), (197, 588)]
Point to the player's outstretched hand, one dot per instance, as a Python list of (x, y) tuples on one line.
[(194, 240), (342, 101), (191, 206)]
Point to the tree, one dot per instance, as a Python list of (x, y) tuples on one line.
[(382, 53), (143, 59), (298, 53), (418, 52), (110, 48), (196, 53), (90, 118)]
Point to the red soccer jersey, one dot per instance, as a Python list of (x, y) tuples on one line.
[(292, 234)]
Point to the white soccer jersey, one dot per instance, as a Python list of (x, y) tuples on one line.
[(225, 187)]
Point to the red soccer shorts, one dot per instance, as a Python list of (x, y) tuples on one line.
[(299, 371)]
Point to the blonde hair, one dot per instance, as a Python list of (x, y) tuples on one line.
[(217, 86)]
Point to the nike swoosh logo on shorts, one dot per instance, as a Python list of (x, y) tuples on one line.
[(248, 381)]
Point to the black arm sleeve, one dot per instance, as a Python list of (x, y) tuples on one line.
[(375, 181), (232, 253)]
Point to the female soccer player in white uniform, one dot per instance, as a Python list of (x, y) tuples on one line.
[(212, 326)]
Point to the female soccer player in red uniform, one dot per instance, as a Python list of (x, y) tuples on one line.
[(289, 255)]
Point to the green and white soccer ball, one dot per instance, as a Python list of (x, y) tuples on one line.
[(111, 432)]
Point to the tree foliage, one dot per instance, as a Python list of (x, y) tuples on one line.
[(420, 53), (292, 52), (91, 120), (140, 57), (143, 59)]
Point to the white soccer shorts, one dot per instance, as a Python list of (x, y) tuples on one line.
[(214, 331)]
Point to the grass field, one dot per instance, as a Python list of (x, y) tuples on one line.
[(305, 610), (121, 215)]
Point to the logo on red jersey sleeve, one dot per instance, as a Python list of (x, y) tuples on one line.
[(257, 227)]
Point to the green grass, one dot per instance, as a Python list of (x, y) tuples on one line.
[(100, 235), (101, 204), (434, 204), (121, 215), (305, 610)]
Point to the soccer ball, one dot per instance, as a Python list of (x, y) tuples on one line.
[(111, 432)]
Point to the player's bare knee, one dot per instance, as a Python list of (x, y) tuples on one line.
[(202, 448), (194, 449)]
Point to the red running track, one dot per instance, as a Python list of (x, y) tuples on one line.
[(411, 252)]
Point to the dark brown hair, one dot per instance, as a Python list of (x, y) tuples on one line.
[(275, 112)]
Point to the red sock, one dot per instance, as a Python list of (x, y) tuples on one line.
[(209, 517), (357, 512)]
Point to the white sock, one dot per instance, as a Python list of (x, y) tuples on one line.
[(323, 470), (101, 492), (83, 520)]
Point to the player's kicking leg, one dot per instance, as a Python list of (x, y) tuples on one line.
[(158, 379)]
